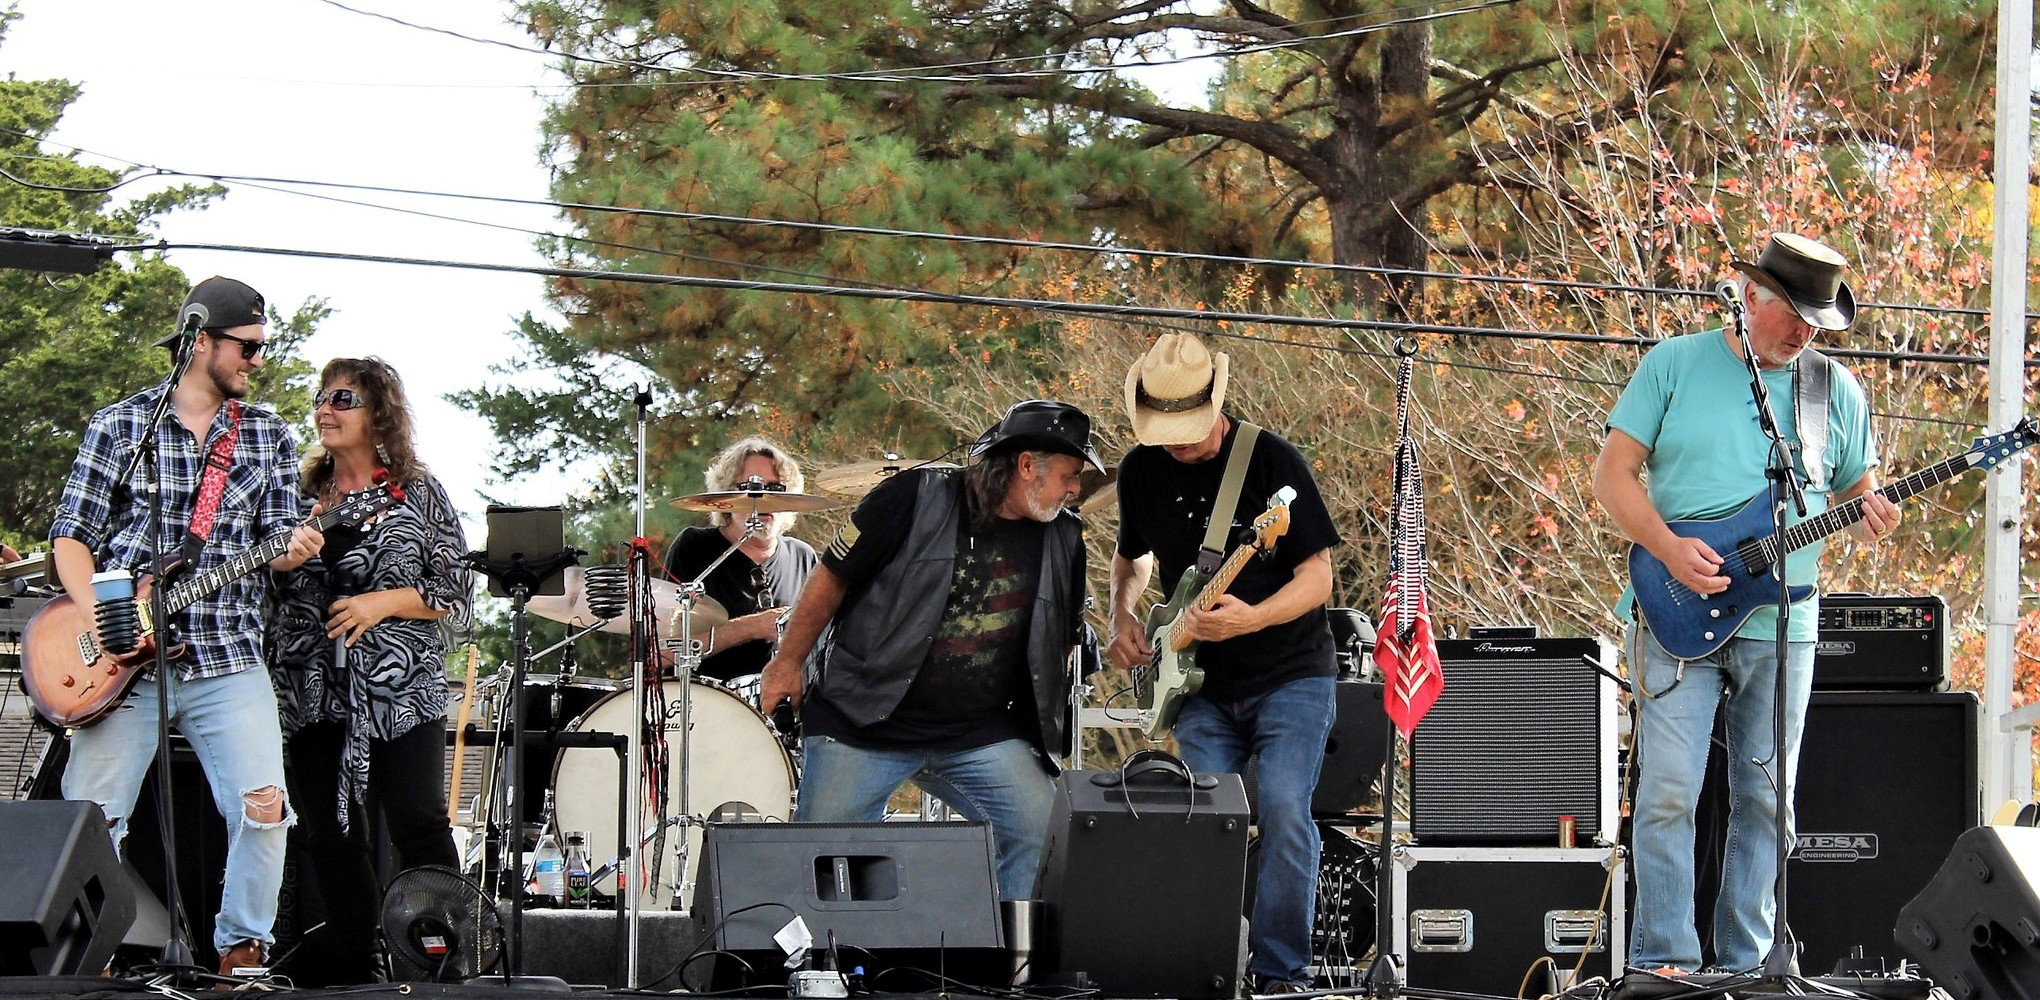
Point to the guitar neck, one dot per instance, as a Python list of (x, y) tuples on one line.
[(189, 591), (1828, 522)]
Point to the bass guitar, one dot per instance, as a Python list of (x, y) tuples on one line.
[(1690, 626), (73, 682), (1172, 674)]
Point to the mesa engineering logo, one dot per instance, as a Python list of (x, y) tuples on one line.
[(1834, 848)]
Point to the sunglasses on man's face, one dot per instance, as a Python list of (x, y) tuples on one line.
[(341, 399), (249, 348)]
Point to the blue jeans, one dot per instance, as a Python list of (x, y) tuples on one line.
[(1004, 784), (1287, 727), (232, 726), (1675, 724)]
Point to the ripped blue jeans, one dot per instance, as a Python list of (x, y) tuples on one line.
[(232, 726)]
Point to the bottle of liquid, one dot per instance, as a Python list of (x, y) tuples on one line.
[(549, 870), (577, 870)]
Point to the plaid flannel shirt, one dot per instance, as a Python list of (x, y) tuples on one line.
[(224, 628)]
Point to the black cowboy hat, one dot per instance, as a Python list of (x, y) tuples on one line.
[(1042, 424), (1808, 275)]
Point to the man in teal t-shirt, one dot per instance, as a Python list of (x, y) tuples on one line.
[(1684, 442)]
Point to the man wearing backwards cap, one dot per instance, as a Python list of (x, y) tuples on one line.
[(1688, 417), (221, 699), (952, 599), (1265, 648)]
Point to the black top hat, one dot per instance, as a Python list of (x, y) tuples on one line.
[(1808, 275), (228, 304), (1044, 424)]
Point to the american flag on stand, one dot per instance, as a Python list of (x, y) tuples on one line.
[(1404, 648)]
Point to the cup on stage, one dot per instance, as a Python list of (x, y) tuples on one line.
[(1567, 829)]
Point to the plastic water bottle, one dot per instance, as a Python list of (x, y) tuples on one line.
[(577, 870), (549, 869)]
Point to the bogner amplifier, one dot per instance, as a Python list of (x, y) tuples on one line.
[(1870, 641), (1523, 734)]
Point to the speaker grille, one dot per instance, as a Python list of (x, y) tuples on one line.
[(1523, 734)]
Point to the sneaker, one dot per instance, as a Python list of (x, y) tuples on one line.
[(246, 955), (1282, 989)]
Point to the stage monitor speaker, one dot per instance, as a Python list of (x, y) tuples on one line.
[(908, 895), (1975, 929), (64, 899), (1887, 781), (1353, 753), (1143, 880), (1523, 734)]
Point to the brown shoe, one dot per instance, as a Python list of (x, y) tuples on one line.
[(246, 955)]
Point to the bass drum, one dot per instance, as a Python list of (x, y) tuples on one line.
[(735, 759)]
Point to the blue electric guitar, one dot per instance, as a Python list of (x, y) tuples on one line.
[(1690, 626)]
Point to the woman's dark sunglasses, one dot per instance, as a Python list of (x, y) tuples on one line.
[(249, 348), (342, 399)]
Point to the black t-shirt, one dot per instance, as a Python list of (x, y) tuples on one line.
[(741, 587), (1163, 506), (974, 689)]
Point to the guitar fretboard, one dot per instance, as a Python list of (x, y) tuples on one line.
[(1813, 529)]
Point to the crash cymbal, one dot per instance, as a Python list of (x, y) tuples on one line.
[(1097, 490), (743, 503), (860, 478), (571, 608)]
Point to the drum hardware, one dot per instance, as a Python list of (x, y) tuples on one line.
[(753, 497), (578, 607)]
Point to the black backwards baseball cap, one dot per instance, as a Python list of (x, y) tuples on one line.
[(220, 304), (1041, 424)]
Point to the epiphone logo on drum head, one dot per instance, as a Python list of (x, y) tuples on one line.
[(1835, 847)]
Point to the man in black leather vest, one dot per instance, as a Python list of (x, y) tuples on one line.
[(951, 600)]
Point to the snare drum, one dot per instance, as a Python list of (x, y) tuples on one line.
[(735, 758)]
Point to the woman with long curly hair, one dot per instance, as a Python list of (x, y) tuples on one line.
[(358, 648)]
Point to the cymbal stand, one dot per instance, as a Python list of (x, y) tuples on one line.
[(640, 650), (686, 661)]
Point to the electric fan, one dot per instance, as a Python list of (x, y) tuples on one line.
[(440, 926)]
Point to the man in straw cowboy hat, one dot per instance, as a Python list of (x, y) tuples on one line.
[(1689, 418), (1265, 648), (952, 599)]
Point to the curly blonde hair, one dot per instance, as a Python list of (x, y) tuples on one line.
[(723, 471)]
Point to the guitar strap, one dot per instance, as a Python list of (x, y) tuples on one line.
[(213, 486), (1219, 524), (1810, 381)]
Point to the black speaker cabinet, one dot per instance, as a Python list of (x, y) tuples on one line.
[(1523, 734), (1887, 781), (1975, 929), (64, 900), (905, 895), (1353, 753), (1143, 881)]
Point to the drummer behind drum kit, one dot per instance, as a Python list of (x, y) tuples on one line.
[(733, 759)]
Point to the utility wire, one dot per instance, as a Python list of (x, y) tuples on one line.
[(943, 73)]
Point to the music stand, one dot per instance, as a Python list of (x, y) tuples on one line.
[(526, 556)]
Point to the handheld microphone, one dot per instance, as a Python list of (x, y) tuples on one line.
[(119, 618), (1725, 291), (608, 588), (195, 317)]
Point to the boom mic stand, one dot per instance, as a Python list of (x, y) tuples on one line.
[(148, 454)]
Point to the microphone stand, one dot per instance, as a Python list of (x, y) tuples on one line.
[(1780, 967), (640, 650), (147, 454)]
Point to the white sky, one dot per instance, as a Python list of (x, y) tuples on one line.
[(303, 90)]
